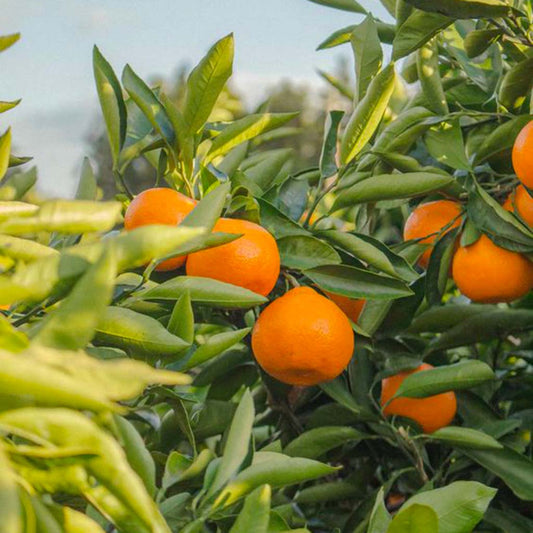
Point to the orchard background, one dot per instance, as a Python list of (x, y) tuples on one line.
[(384, 282)]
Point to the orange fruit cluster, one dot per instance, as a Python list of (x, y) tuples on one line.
[(482, 271), (251, 261), (302, 338)]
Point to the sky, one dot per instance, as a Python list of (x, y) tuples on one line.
[(50, 67)]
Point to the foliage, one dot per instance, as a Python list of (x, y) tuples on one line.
[(101, 429)]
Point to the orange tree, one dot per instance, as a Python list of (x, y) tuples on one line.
[(348, 346)]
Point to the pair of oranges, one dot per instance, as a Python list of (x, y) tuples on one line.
[(252, 261), (483, 271)]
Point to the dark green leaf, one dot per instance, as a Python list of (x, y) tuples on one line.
[(304, 251), (367, 115), (391, 187), (344, 5), (368, 54), (206, 82), (463, 375), (356, 282), (111, 102)]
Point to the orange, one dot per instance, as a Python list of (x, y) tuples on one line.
[(523, 155), (252, 261), (351, 307), (523, 204), (487, 273), (431, 413), (427, 220), (159, 206), (303, 338)]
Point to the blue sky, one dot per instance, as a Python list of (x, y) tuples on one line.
[(50, 68)]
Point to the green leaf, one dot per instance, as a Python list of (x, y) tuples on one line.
[(344, 5), (439, 267), (9, 495), (465, 9), (24, 249), (368, 54), (392, 187), (8, 40), (264, 168), (509, 521), (440, 319), (316, 442), (501, 139), (276, 222), (417, 30), (459, 506), (332, 491), (380, 518), (237, 444), (304, 251), (516, 84), (87, 186), (72, 325), (367, 115), (20, 183), (445, 143), (415, 519), (138, 335), (5, 151), (477, 41), (111, 102), (255, 514), (513, 468), (356, 283), (275, 469), (433, 381), (116, 487), (245, 129), (372, 252), (206, 82), (337, 83), (6, 106), (502, 226), (215, 345), (328, 155), (149, 104), (209, 209), (427, 65), (205, 291), (483, 326), (338, 390), (181, 321), (133, 249), (137, 454), (11, 339), (466, 438), (66, 216)]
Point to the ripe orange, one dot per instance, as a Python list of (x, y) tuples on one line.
[(523, 204), (487, 273), (431, 413), (303, 338), (251, 261), (351, 307), (523, 155), (159, 206), (429, 219)]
